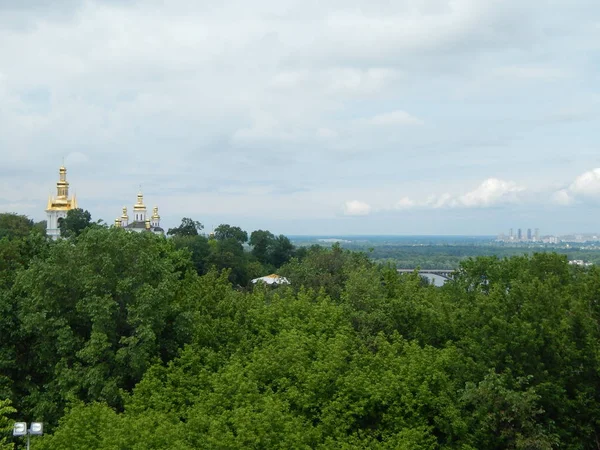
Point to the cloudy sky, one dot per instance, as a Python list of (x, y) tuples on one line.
[(305, 116)]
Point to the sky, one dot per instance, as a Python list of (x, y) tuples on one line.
[(307, 117)]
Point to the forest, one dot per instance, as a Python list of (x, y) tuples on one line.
[(444, 256), (121, 340)]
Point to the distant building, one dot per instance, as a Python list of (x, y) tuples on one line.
[(537, 234), (550, 240), (59, 206), (271, 279), (140, 222), (529, 234), (580, 262), (519, 234)]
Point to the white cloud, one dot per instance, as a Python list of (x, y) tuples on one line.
[(562, 197), (405, 203), (436, 201), (585, 187), (397, 117), (491, 192), (356, 208), (587, 184)]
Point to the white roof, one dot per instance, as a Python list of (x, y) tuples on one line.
[(272, 279)]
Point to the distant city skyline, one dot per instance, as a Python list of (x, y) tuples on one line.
[(367, 117), (534, 236)]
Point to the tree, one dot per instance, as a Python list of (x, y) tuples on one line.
[(5, 423), (84, 426), (188, 227), (117, 327), (76, 221), (94, 314), (229, 254), (271, 250), (225, 231), (506, 417), (261, 241), (40, 227), (14, 225), (282, 251), (199, 248)]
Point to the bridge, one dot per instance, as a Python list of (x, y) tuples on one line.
[(444, 273)]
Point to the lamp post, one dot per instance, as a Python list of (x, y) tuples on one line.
[(20, 429)]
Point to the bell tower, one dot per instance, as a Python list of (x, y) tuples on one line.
[(58, 206), (139, 209), (155, 217)]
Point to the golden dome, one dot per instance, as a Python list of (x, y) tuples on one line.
[(140, 203), (62, 201)]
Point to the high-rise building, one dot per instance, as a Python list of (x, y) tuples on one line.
[(529, 235), (511, 234), (58, 206), (519, 234), (537, 234)]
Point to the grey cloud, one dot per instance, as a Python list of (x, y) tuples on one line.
[(266, 97)]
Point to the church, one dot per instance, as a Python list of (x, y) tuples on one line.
[(58, 206), (140, 221)]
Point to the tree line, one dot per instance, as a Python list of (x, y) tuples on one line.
[(227, 247), (224, 249), (119, 340)]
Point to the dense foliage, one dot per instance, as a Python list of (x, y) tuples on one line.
[(119, 340), (75, 222), (450, 256)]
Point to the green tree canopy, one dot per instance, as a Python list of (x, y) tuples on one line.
[(95, 314), (199, 249), (188, 227), (271, 250), (75, 222), (6, 425), (118, 328), (225, 231), (14, 225), (261, 242), (281, 250)]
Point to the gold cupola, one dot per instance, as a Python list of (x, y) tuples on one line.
[(124, 217), (62, 201), (58, 206), (155, 219), (139, 209), (140, 201), (140, 220)]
